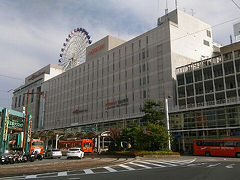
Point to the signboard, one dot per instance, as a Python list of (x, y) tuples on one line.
[(236, 29), (34, 76), (76, 111), (98, 48), (121, 102), (15, 124)]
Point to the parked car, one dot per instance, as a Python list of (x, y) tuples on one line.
[(75, 153), (53, 153)]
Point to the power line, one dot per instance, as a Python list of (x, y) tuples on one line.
[(10, 77), (236, 4)]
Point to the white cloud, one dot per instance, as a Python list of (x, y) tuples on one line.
[(32, 32)]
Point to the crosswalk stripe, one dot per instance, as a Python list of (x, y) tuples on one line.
[(147, 167), (31, 177), (88, 171), (126, 167), (230, 166), (110, 169), (213, 165), (62, 173), (162, 162), (154, 164)]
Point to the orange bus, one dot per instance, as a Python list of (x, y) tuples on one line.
[(85, 144), (36, 145), (217, 147)]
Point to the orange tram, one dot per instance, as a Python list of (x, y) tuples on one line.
[(85, 144)]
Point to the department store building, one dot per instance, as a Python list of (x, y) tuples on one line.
[(110, 87)]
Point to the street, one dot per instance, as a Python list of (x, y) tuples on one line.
[(185, 167)]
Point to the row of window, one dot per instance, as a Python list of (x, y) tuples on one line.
[(219, 143), (20, 100)]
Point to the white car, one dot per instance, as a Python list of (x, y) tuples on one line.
[(75, 153), (53, 153)]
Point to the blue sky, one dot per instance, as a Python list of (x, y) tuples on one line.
[(32, 31)]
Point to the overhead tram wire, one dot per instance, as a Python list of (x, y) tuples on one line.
[(10, 77), (236, 4)]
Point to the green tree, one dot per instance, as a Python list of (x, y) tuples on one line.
[(154, 113), (150, 138)]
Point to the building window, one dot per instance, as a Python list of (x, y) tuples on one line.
[(32, 97), (209, 33), (144, 68), (139, 43), (15, 102), (206, 43), (23, 100), (19, 101), (147, 52), (144, 94), (132, 47), (143, 53), (146, 39), (144, 80)]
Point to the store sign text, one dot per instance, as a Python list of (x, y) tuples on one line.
[(34, 76), (76, 111), (98, 48), (113, 104)]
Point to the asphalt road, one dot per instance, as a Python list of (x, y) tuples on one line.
[(184, 168)]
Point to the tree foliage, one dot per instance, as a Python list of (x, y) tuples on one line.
[(154, 113), (152, 137)]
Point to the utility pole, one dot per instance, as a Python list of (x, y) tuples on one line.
[(167, 122), (25, 123)]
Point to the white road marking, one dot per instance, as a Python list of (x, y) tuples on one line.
[(163, 162), (110, 169), (140, 165), (197, 164), (31, 177), (62, 173), (126, 167), (154, 164), (230, 166), (88, 171), (213, 165)]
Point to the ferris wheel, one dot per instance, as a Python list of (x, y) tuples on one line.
[(73, 51)]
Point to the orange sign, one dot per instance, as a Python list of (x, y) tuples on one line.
[(96, 49), (34, 76)]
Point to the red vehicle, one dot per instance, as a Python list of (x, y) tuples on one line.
[(85, 144), (36, 145), (217, 147)]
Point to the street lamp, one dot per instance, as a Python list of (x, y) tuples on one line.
[(57, 139), (167, 122)]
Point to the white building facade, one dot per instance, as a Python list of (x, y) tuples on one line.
[(110, 88)]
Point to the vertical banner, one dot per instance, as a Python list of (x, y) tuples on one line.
[(5, 131), (29, 129)]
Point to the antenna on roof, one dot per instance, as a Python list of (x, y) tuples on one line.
[(166, 10), (192, 12), (176, 4)]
